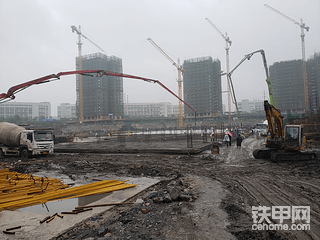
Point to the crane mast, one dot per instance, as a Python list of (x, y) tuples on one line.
[(180, 72), (228, 44), (78, 31), (74, 29), (303, 27)]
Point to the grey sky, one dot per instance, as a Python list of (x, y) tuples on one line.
[(36, 40)]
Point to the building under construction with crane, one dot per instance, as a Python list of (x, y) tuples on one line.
[(102, 96), (288, 84), (202, 86)]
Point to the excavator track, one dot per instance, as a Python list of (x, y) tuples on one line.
[(262, 153), (279, 156)]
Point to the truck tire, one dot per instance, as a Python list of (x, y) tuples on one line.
[(24, 154), (1, 154)]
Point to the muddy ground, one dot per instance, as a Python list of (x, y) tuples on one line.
[(185, 204)]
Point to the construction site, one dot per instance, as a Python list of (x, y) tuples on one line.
[(206, 173), (166, 183)]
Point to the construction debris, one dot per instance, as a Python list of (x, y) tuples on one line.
[(9, 230), (13, 228), (102, 205), (45, 219)]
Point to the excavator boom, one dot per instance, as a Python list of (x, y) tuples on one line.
[(275, 120)]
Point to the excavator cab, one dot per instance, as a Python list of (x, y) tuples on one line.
[(294, 138)]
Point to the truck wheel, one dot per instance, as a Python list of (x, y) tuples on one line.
[(24, 154)]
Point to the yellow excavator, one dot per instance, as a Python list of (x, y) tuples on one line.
[(283, 142)]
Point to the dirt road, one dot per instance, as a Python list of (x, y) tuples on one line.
[(217, 193)]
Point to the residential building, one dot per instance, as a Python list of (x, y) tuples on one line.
[(288, 84), (202, 86), (313, 76), (66, 110), (102, 96), (175, 110), (249, 106), (29, 110), (287, 81), (149, 109)]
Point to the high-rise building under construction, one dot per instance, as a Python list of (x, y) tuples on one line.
[(202, 86), (287, 81), (102, 96), (288, 86), (313, 76)]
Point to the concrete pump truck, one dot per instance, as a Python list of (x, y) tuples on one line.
[(283, 142)]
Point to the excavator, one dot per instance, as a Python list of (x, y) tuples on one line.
[(283, 142)]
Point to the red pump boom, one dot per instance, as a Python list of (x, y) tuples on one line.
[(15, 89)]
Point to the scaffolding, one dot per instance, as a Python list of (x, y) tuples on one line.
[(102, 96), (202, 86), (287, 81)]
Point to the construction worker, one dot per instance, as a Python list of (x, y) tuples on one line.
[(226, 139), (239, 141), (230, 137)]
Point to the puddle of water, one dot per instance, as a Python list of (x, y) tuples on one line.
[(66, 205)]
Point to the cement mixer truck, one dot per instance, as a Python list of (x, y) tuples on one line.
[(17, 141)]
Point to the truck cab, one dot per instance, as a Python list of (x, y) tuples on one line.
[(37, 142)]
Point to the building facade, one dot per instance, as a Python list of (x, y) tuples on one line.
[(175, 110), (250, 106), (313, 76), (288, 85), (67, 110), (202, 86), (162, 109), (28, 110), (102, 96)]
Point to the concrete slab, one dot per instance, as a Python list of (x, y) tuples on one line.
[(173, 151), (30, 222), (177, 145)]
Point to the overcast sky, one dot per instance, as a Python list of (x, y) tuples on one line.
[(37, 40)]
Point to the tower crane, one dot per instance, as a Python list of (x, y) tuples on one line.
[(303, 27), (180, 72), (228, 44), (78, 31)]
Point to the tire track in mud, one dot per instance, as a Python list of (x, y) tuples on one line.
[(267, 188), (268, 196), (252, 182)]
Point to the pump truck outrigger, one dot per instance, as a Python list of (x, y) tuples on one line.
[(284, 143)]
